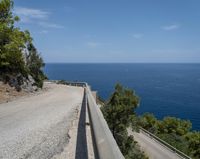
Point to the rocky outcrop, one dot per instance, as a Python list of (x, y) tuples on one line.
[(8, 93), (21, 83), (29, 84)]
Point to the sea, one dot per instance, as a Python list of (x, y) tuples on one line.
[(164, 89)]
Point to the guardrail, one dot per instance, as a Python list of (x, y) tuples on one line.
[(105, 143), (105, 146), (181, 154)]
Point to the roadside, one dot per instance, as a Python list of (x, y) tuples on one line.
[(80, 144), (8, 93), (37, 126)]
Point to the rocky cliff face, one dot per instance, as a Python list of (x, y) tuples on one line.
[(15, 87), (21, 83)]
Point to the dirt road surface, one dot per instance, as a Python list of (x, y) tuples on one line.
[(37, 126)]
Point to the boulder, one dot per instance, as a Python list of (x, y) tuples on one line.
[(20, 82), (29, 84)]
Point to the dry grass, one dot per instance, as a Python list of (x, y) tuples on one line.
[(8, 93)]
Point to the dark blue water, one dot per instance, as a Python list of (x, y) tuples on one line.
[(165, 89)]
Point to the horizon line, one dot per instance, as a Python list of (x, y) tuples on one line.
[(122, 62)]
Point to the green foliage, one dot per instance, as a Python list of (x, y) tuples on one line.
[(12, 41), (13, 45), (149, 122), (35, 63), (120, 109), (119, 114), (193, 139), (5, 12), (174, 125), (174, 131), (176, 141)]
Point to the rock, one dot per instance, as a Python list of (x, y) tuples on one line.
[(31, 80), (20, 82), (13, 82)]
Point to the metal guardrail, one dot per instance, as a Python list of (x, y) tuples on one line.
[(105, 146), (181, 154)]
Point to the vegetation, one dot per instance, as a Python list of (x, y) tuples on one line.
[(34, 63), (119, 114), (174, 131), (18, 56)]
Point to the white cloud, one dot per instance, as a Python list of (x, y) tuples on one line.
[(170, 27), (28, 13), (138, 35), (35, 16), (43, 32), (93, 44), (50, 25)]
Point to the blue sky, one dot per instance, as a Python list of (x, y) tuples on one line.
[(113, 30)]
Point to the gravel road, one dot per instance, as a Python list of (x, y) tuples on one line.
[(37, 126)]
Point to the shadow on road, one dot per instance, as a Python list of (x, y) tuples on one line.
[(81, 143)]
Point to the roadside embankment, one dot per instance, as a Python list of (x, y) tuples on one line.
[(8, 93)]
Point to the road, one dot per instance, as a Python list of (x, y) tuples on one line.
[(37, 126), (153, 149)]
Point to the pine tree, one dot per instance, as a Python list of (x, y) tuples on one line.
[(119, 113)]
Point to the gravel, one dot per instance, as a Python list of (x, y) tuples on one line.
[(37, 126)]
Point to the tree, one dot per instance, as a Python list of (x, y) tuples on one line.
[(35, 64), (13, 45), (174, 125), (119, 114), (169, 125), (174, 131), (12, 42), (120, 108), (149, 122), (193, 139)]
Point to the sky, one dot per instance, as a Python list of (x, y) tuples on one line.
[(113, 31)]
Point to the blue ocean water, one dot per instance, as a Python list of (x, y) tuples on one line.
[(164, 89)]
